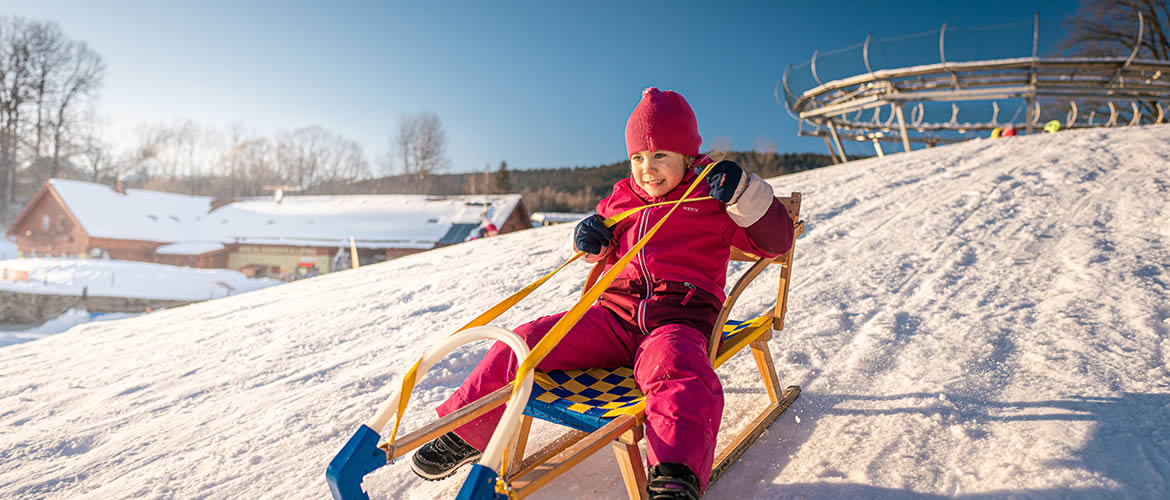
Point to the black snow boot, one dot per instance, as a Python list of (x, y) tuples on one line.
[(442, 457), (669, 481)]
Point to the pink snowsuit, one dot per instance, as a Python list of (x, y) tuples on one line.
[(656, 316)]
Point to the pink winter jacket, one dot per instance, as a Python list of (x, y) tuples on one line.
[(679, 276)]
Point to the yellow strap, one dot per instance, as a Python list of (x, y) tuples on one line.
[(570, 319), (610, 222), (409, 380)]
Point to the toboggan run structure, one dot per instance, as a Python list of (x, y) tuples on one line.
[(920, 103)]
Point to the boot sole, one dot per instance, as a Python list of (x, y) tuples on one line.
[(445, 475)]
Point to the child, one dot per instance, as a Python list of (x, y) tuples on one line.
[(658, 312)]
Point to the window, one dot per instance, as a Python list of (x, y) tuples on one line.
[(45, 223)]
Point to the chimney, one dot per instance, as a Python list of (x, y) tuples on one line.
[(120, 187)]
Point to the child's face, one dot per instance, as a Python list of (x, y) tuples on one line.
[(658, 172)]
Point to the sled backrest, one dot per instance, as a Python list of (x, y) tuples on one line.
[(791, 203)]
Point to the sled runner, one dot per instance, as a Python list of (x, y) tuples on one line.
[(599, 406)]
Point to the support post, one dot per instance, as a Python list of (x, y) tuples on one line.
[(1028, 114), (833, 155), (837, 141), (902, 127), (353, 253), (877, 147)]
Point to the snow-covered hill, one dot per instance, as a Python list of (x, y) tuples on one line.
[(123, 278), (980, 320)]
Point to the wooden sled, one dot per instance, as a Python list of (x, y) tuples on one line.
[(603, 406)]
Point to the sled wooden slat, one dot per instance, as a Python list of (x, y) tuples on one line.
[(629, 459), (735, 450), (542, 455), (452, 421), (543, 473), (517, 456)]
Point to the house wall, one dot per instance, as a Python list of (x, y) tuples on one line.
[(517, 220), (217, 260), (279, 261), (394, 253), (136, 250), (62, 237)]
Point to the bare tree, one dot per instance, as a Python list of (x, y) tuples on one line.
[(312, 155), (181, 149), (234, 164), (16, 78), (259, 161), (1110, 28), (46, 58), (45, 79), (83, 76), (420, 147), (721, 144), (95, 153)]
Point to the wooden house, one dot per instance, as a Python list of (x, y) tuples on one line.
[(288, 238)]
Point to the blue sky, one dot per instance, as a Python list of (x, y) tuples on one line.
[(538, 84)]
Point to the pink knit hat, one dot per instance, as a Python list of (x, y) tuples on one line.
[(663, 120)]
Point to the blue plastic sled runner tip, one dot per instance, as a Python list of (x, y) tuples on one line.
[(480, 485), (359, 457)]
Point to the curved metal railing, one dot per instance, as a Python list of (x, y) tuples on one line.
[(948, 100)]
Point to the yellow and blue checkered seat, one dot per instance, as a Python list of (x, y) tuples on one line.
[(586, 400)]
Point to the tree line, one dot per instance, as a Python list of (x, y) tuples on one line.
[(568, 189)]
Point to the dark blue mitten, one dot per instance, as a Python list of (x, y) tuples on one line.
[(591, 234), (723, 178)]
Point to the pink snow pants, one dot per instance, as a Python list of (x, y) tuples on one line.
[(684, 399)]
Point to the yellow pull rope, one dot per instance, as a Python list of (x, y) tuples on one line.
[(410, 379), (570, 319)]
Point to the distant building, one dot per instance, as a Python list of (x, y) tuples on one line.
[(297, 235), (549, 218)]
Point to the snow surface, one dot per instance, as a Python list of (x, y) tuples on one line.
[(982, 320), (122, 278), (69, 319)]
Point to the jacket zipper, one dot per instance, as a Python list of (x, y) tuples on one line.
[(690, 293), (646, 277)]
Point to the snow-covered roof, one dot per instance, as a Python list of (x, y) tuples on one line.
[(374, 221), (137, 215)]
